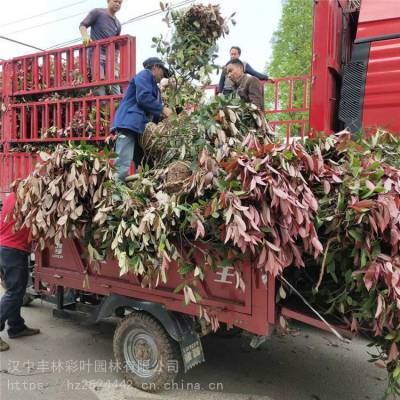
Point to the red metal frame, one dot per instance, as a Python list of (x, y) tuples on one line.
[(317, 323), (285, 103), (6, 93), (1, 76), (67, 68), (30, 120), (71, 119), (53, 120), (15, 166)]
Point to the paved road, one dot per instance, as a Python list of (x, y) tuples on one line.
[(73, 361)]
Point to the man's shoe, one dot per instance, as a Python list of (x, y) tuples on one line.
[(24, 332), (3, 345)]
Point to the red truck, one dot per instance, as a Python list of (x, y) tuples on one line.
[(355, 83)]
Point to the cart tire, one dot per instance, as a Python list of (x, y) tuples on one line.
[(225, 333), (148, 356)]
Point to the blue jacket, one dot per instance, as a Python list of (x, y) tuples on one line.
[(248, 69), (141, 104)]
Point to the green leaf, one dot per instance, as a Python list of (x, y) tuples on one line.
[(185, 269), (226, 262), (356, 234), (391, 336), (180, 287), (364, 258), (349, 300)]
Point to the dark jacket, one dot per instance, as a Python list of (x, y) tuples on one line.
[(141, 104), (226, 83), (251, 90)]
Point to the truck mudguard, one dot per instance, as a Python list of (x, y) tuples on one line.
[(178, 326)]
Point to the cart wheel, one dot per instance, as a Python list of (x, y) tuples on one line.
[(148, 356)]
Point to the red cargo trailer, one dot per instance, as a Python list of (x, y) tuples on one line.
[(97, 291), (355, 54)]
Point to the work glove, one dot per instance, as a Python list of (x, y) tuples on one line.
[(86, 40)]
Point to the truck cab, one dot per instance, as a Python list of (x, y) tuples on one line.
[(355, 78)]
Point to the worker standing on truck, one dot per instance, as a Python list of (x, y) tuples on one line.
[(225, 85), (103, 24), (247, 87), (141, 104), (14, 273)]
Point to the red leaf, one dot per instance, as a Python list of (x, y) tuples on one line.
[(327, 187), (354, 325), (317, 244), (380, 307), (229, 166), (262, 257), (273, 247), (310, 162), (208, 211), (373, 224), (200, 232), (370, 185), (364, 204), (393, 353), (280, 193)]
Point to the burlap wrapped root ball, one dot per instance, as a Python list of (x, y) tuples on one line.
[(155, 136), (177, 176)]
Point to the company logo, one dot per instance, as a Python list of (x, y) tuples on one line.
[(225, 275), (58, 252)]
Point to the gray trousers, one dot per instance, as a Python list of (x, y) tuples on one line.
[(14, 271), (128, 150), (102, 90)]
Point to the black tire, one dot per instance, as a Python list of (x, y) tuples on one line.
[(148, 356), (225, 333)]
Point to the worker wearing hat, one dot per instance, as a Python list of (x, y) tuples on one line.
[(141, 104)]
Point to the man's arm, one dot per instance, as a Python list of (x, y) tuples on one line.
[(249, 70), (86, 23), (221, 83), (256, 93), (145, 97)]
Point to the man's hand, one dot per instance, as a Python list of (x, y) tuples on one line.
[(164, 84), (271, 80), (86, 40), (167, 112)]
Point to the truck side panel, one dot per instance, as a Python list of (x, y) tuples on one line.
[(253, 310), (371, 86), (382, 90), (328, 31), (378, 18)]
